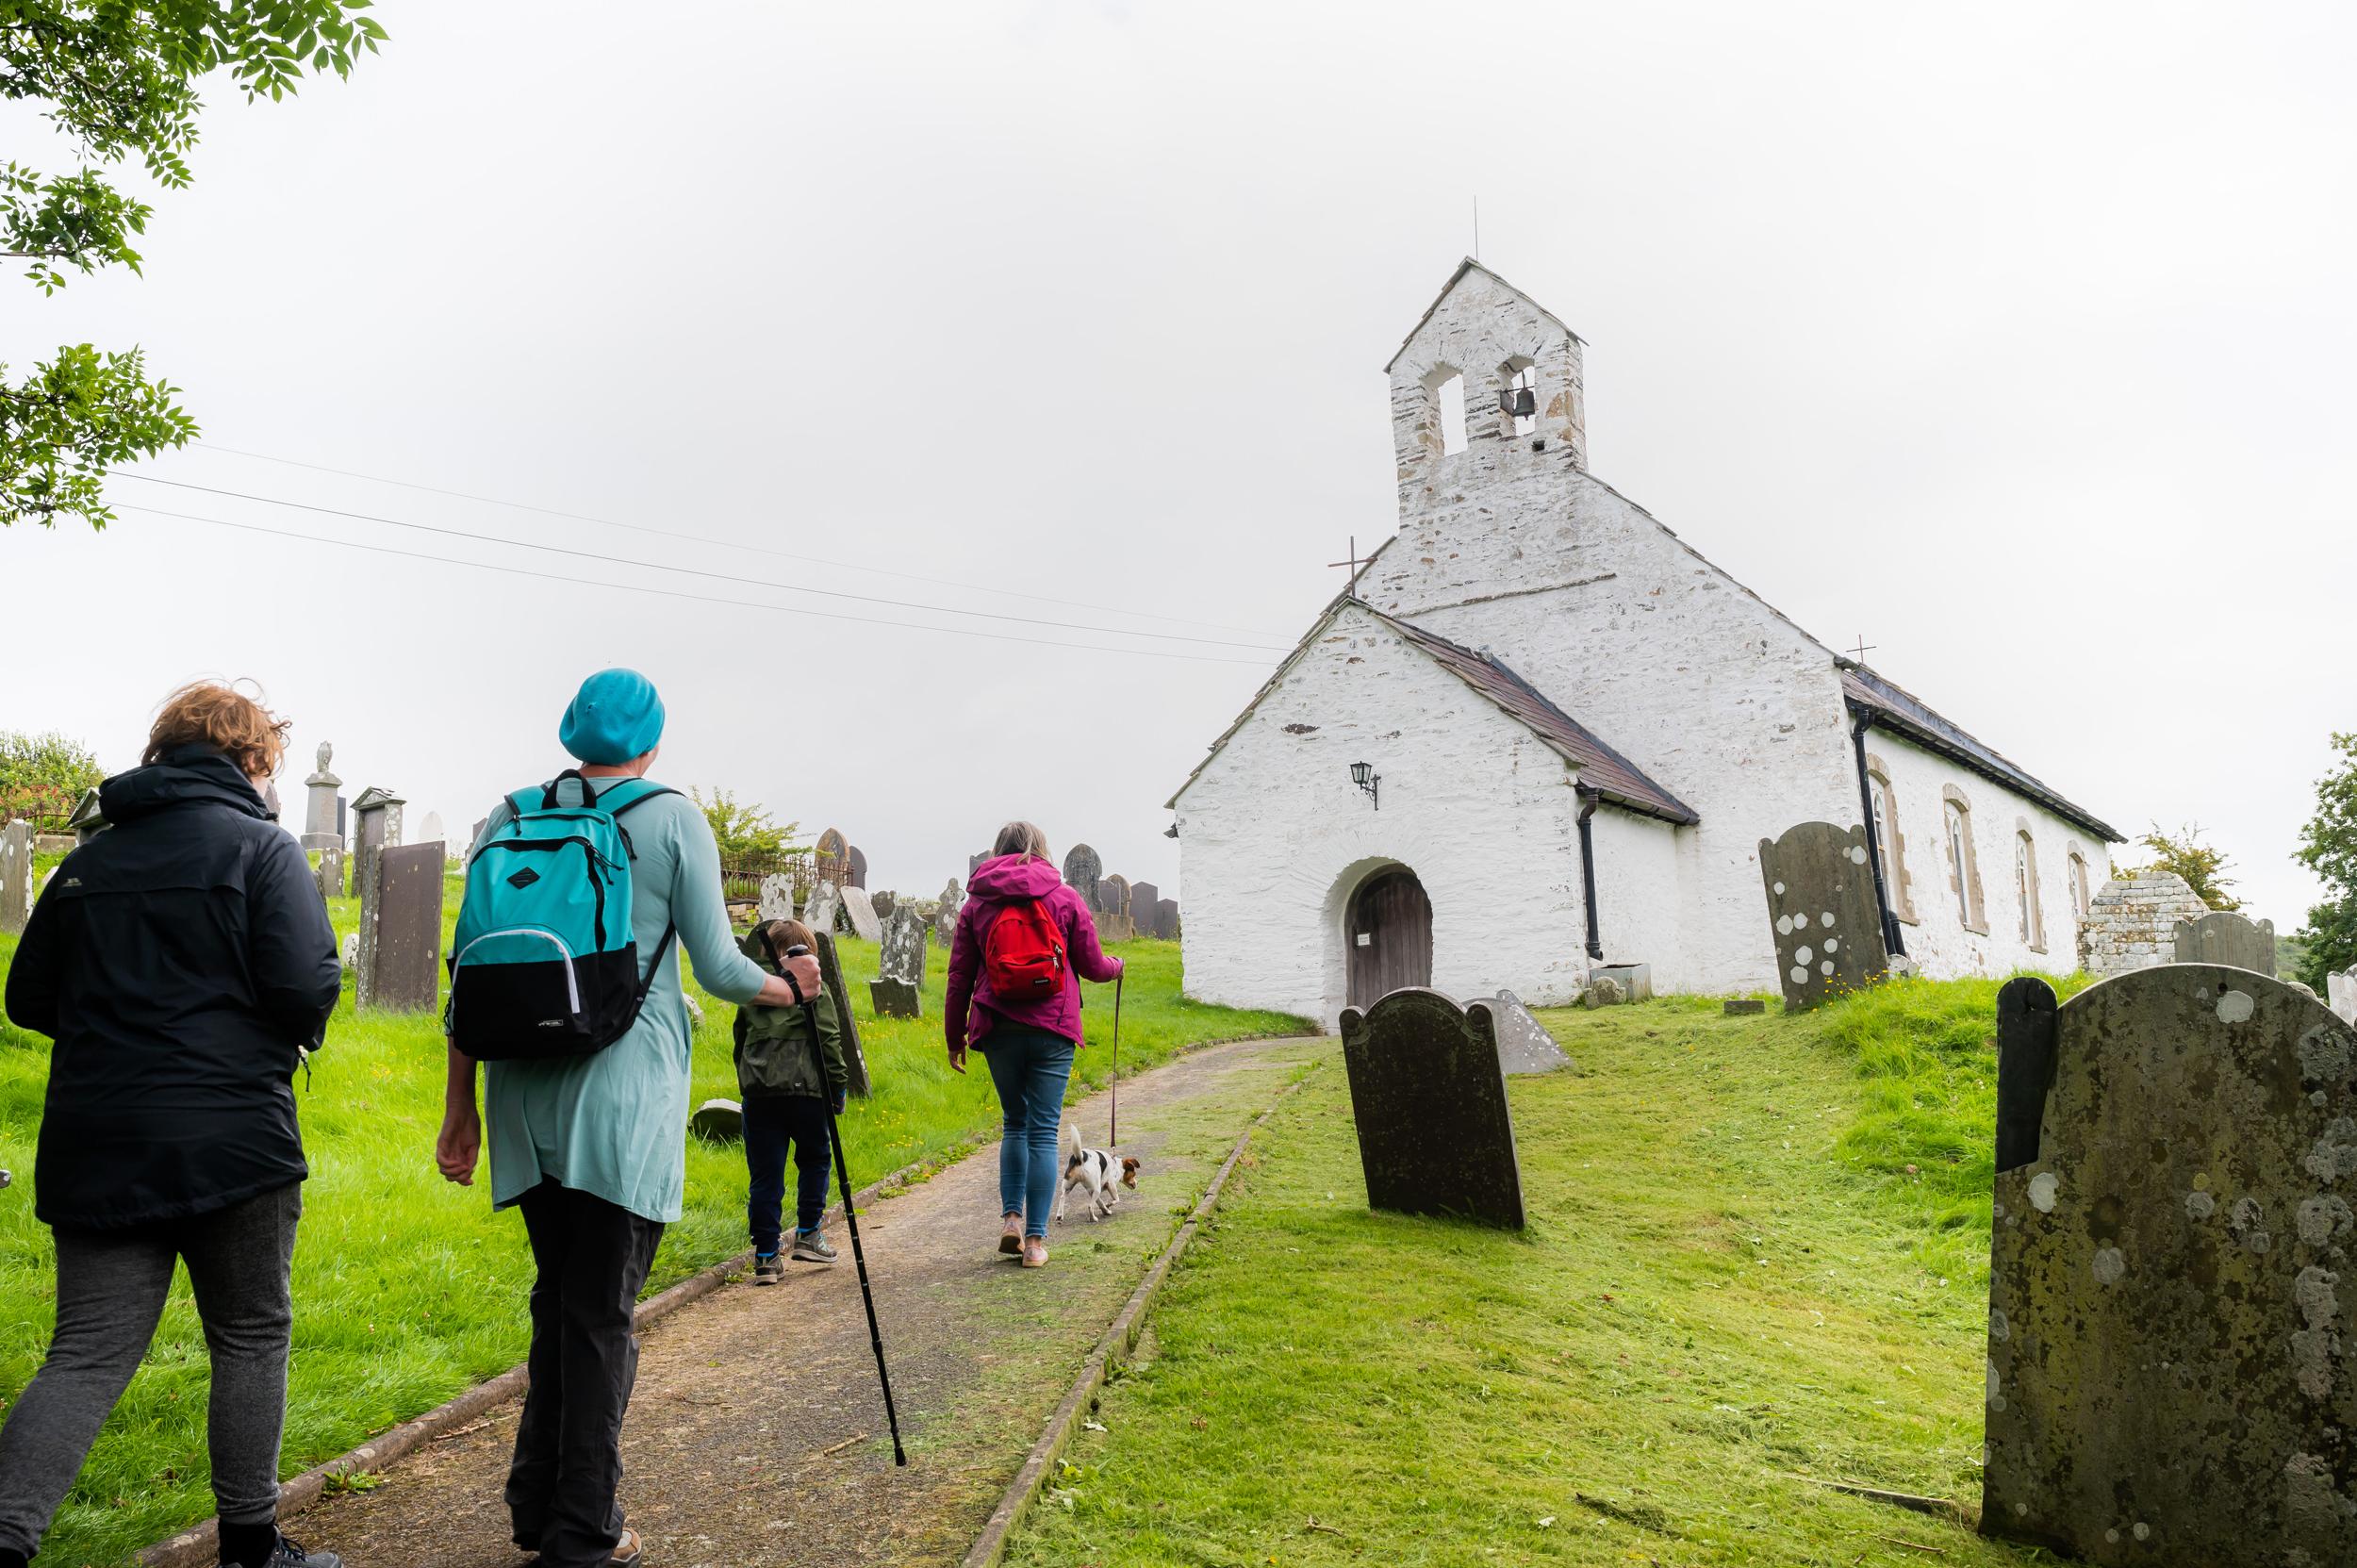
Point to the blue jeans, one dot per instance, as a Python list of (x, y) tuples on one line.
[(770, 1125), (1030, 1068)]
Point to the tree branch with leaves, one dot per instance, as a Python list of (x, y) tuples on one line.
[(2328, 846)]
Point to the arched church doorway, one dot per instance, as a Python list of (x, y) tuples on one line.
[(1386, 938)]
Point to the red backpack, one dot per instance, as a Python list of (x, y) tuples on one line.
[(1023, 953)]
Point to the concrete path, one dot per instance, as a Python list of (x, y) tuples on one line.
[(757, 1435)]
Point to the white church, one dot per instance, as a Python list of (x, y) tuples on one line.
[(1540, 734)]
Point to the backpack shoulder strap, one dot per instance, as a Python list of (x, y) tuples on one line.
[(642, 800)]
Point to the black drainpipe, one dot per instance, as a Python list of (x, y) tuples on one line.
[(1587, 802), (1893, 942)]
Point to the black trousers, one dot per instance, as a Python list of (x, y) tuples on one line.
[(770, 1125), (592, 1258)]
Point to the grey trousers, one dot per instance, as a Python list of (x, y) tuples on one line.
[(111, 1286)]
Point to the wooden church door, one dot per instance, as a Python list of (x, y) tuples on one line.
[(1388, 936)]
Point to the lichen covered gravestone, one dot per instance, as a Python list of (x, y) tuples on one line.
[(331, 871), (777, 898), (1082, 871), (1435, 1137), (830, 973), (16, 876), (826, 903), (862, 914), (897, 990), (946, 918), (1524, 1044), (1114, 923), (2225, 937), (2173, 1374), (1820, 903), (2340, 991)]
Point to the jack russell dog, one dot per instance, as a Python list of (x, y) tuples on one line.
[(1096, 1172)]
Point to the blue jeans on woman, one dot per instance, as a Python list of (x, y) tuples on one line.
[(1030, 1067)]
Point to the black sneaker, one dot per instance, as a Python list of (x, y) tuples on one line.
[(287, 1555), (768, 1270), (811, 1247)]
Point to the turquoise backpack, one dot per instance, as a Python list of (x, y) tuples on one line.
[(545, 962)]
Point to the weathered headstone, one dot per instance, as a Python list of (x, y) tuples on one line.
[(695, 1010), (885, 901), (777, 898), (830, 973), (858, 859), (401, 930), (1114, 923), (433, 832), (830, 858), (1742, 1007), (1083, 869), (2340, 993), (1144, 897), (2225, 937), (2171, 1374), (331, 872), (862, 913), (1112, 926), (16, 876), (1602, 991), (1524, 1044), (1166, 919), (322, 825), (348, 952), (946, 916), (974, 863), (343, 826), (898, 989), (1820, 902), (826, 903), (1435, 1137), (54, 843), (87, 820), (1635, 980), (385, 807), (720, 1121), (476, 837)]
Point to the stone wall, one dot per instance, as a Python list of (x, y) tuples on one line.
[(2133, 924)]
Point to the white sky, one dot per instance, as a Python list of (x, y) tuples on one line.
[(2015, 339)]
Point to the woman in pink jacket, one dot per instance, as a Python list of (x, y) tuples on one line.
[(1028, 1040)]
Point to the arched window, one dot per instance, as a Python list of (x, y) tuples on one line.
[(1448, 405), (2032, 923), (1889, 843), (2080, 897), (1964, 866)]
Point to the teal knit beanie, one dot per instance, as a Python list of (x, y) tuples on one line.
[(614, 717)]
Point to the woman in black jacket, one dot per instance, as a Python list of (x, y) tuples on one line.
[(182, 961)]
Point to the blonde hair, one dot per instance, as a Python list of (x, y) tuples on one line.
[(1020, 838), (791, 934), (215, 714)]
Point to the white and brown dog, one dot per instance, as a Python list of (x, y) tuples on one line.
[(1096, 1172)]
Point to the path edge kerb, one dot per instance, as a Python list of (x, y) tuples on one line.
[(198, 1545), (990, 1548)]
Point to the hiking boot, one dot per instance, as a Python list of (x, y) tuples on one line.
[(768, 1270), (1034, 1252), (811, 1247), (1011, 1239), (625, 1551), (287, 1555)]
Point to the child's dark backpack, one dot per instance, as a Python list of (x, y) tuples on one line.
[(1023, 953)]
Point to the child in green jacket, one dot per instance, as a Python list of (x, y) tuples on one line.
[(789, 1071)]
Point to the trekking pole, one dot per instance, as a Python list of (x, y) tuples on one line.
[(1113, 1133), (850, 1223)]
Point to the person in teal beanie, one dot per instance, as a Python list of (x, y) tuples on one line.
[(593, 1149)]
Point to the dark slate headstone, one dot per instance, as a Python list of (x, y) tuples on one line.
[(858, 858), (1143, 896), (895, 999), (408, 921), (1435, 1137), (1083, 869), (1742, 1007), (720, 1121), (2225, 937), (1114, 893), (886, 902), (343, 815), (1820, 903), (2171, 1372), (830, 972), (1524, 1044), (1166, 919)]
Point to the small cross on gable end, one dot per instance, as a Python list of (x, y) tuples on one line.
[(1489, 378)]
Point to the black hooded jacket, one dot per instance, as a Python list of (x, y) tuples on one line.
[(180, 960)]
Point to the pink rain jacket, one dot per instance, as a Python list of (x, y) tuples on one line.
[(970, 1011)]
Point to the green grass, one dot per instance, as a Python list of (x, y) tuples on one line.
[(408, 1290), (1757, 1252)]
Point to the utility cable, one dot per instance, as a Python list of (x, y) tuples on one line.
[(675, 593), (691, 572), (705, 538)]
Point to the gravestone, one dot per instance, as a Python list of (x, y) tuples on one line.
[(348, 950), (1166, 919), (88, 821), (1635, 980), (1143, 896), (323, 824), (898, 989), (386, 807), (476, 838), (1742, 1007), (886, 902), (432, 833), (344, 829), (2340, 993), (2170, 1367), (1428, 1096), (1603, 990), (376, 829), (16, 876), (777, 898), (826, 903), (858, 859), (331, 872), (1113, 926), (1082, 871), (946, 918), (974, 863), (720, 1121), (1114, 923), (54, 843), (2225, 937), (862, 913), (831, 860), (1524, 1044), (1820, 904), (831, 974), (400, 931)]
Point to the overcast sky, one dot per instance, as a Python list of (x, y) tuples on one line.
[(2015, 339)]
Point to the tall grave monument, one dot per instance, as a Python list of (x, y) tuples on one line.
[(321, 830)]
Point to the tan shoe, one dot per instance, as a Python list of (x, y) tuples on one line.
[(1034, 1252), (626, 1551), (1010, 1238)]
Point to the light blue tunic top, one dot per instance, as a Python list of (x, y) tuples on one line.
[(615, 1123)]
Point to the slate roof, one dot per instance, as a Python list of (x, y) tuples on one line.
[(1896, 709)]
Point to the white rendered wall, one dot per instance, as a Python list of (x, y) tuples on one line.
[(1939, 942), (1273, 838)]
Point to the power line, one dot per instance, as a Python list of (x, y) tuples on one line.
[(691, 572), (703, 539), (675, 593)]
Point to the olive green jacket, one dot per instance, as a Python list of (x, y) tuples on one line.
[(779, 1054)]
